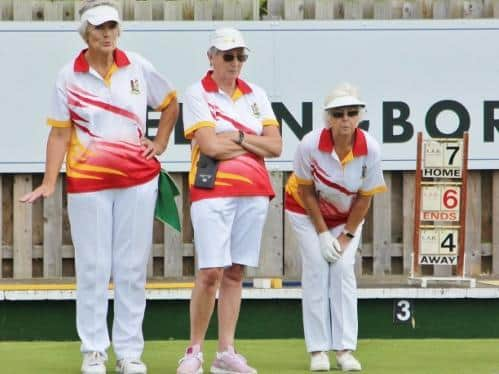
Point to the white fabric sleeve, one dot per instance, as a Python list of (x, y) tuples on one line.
[(301, 163), (160, 91), (372, 172), (195, 112), (58, 115)]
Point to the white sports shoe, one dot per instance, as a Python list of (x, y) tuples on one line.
[(131, 366), (93, 363), (319, 362), (346, 362)]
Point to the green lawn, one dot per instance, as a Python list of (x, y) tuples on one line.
[(378, 356)]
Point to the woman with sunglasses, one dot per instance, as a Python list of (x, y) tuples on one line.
[(232, 128), (337, 170), (98, 122)]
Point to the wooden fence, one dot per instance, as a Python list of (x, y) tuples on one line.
[(36, 241)]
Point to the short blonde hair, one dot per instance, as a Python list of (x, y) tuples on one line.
[(89, 4)]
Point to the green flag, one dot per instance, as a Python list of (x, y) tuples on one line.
[(166, 209)]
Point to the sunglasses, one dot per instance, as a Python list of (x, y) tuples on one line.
[(229, 57), (341, 113)]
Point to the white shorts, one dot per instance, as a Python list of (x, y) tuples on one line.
[(228, 230)]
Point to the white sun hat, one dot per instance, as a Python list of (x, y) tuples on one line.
[(227, 38)]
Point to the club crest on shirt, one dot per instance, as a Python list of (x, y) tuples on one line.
[(134, 86), (255, 110)]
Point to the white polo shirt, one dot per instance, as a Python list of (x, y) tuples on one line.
[(249, 110), (336, 181), (108, 117)]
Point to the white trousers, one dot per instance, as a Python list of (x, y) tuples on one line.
[(329, 300), (228, 230), (112, 236)]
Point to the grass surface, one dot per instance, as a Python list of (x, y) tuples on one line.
[(401, 356)]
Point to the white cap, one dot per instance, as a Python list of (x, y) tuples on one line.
[(100, 14), (342, 101), (227, 38)]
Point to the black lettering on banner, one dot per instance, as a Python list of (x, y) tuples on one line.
[(389, 122), (403, 311), (439, 107), (283, 114), (489, 122), (178, 130)]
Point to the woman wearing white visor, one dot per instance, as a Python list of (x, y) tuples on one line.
[(337, 170), (98, 117)]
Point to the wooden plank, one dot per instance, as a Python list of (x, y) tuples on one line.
[(472, 8), (353, 9), (52, 233), (1, 225), (408, 193), (412, 9), (142, 10), (172, 10), (495, 222), (383, 9), (128, 10), (488, 9), (271, 255), (22, 10), (324, 9), (382, 229), (473, 221), (495, 8), (22, 228), (203, 10), (173, 242), (294, 9), (275, 9), (5, 10), (240, 10), (53, 10), (441, 9)]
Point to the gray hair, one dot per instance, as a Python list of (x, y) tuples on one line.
[(89, 4)]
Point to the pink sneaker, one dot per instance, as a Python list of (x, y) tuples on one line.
[(192, 362), (230, 362)]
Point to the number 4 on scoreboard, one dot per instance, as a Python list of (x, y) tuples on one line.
[(448, 242)]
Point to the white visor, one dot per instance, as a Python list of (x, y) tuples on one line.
[(100, 14), (344, 101)]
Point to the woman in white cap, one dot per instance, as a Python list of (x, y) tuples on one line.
[(98, 117), (337, 170), (232, 128)]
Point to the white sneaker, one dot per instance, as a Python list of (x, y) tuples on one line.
[(93, 363), (319, 362), (131, 366), (346, 362)]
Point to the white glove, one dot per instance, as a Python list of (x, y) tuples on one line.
[(330, 247)]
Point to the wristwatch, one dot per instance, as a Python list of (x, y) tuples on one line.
[(348, 234), (241, 138)]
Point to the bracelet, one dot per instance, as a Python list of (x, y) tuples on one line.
[(348, 234), (241, 138)]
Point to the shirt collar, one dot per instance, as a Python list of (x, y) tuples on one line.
[(210, 85), (326, 142), (81, 64)]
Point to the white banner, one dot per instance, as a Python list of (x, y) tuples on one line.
[(437, 77)]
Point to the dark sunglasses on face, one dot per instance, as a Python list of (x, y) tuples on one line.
[(229, 57), (341, 113)]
